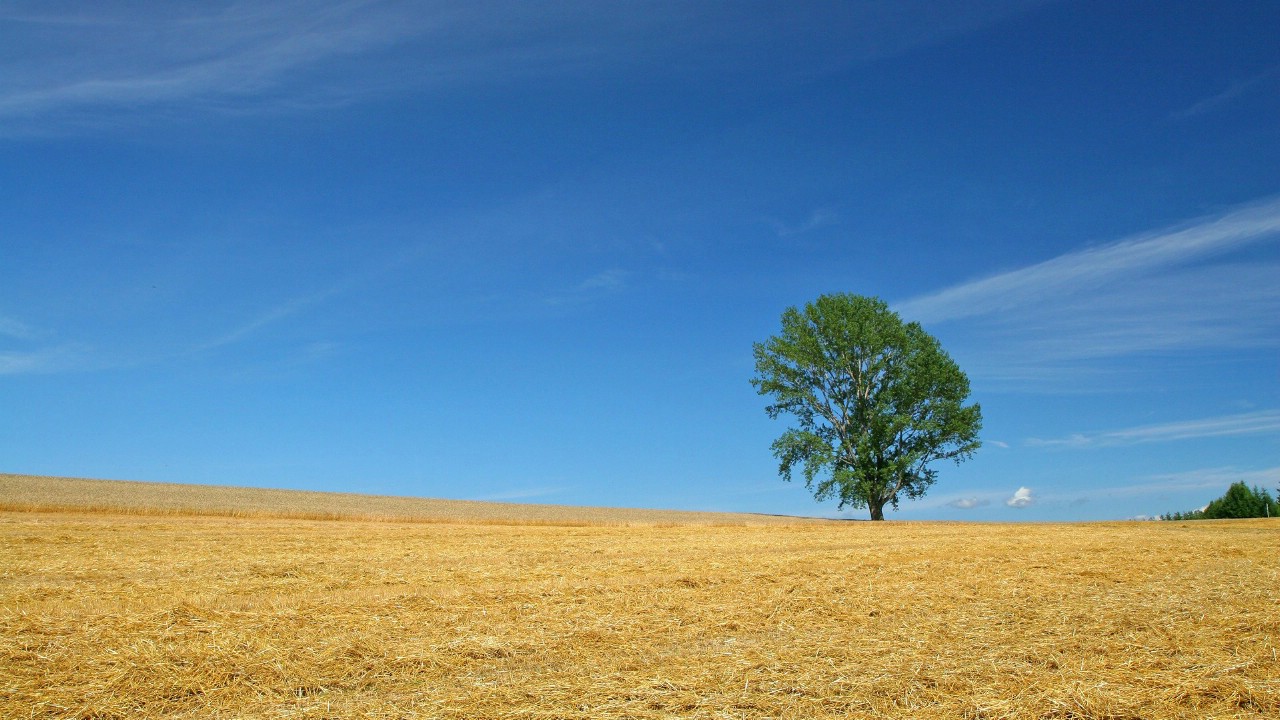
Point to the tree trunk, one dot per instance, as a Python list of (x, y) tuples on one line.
[(877, 510)]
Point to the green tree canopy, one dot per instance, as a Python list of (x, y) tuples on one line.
[(876, 400), (1240, 501)]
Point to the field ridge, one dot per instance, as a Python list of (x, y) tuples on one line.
[(41, 493)]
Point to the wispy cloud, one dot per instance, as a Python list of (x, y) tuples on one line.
[(122, 57), (272, 316), (818, 219), (373, 270), (1095, 268), (602, 283), (33, 351), (1217, 478), (968, 503), (1177, 289), (1199, 485), (1254, 423), (111, 60), (15, 329), (612, 279), (1231, 93), (1021, 498), (56, 359)]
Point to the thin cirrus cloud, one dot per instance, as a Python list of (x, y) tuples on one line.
[(1264, 422), (1201, 478), (612, 279), (603, 283), (1230, 94), (272, 316), (968, 503), (818, 219), (46, 358), (1098, 268), (1177, 289), (15, 329), (85, 64), (126, 56), (1201, 482), (53, 359)]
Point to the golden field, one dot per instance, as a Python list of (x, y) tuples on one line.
[(50, 494), (114, 612)]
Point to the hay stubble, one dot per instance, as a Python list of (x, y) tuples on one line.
[(109, 616)]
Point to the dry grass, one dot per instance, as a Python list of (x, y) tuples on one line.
[(35, 493), (115, 616)]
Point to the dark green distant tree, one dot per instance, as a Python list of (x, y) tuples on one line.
[(876, 401), (1240, 501)]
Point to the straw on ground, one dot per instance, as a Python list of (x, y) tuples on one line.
[(108, 616)]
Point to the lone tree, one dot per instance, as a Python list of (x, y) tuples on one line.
[(877, 400)]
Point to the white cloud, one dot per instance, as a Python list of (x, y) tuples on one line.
[(116, 56), (1254, 423), (997, 443), (117, 59), (968, 503), (63, 358), (15, 329), (1202, 482), (1233, 91), (303, 303), (820, 218), (1199, 479), (1020, 499), (1211, 306), (1088, 270), (20, 363), (270, 317), (607, 280), (1175, 290)]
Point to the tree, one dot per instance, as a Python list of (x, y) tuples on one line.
[(876, 401), (1241, 502), (1238, 502)]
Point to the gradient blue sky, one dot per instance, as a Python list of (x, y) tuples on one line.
[(520, 251)]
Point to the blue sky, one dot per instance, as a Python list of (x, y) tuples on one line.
[(521, 251)]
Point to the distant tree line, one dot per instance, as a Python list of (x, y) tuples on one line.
[(1240, 501)]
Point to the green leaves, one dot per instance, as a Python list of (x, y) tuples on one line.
[(1240, 501), (876, 401)]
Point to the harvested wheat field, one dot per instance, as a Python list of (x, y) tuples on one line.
[(35, 493), (181, 615)]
